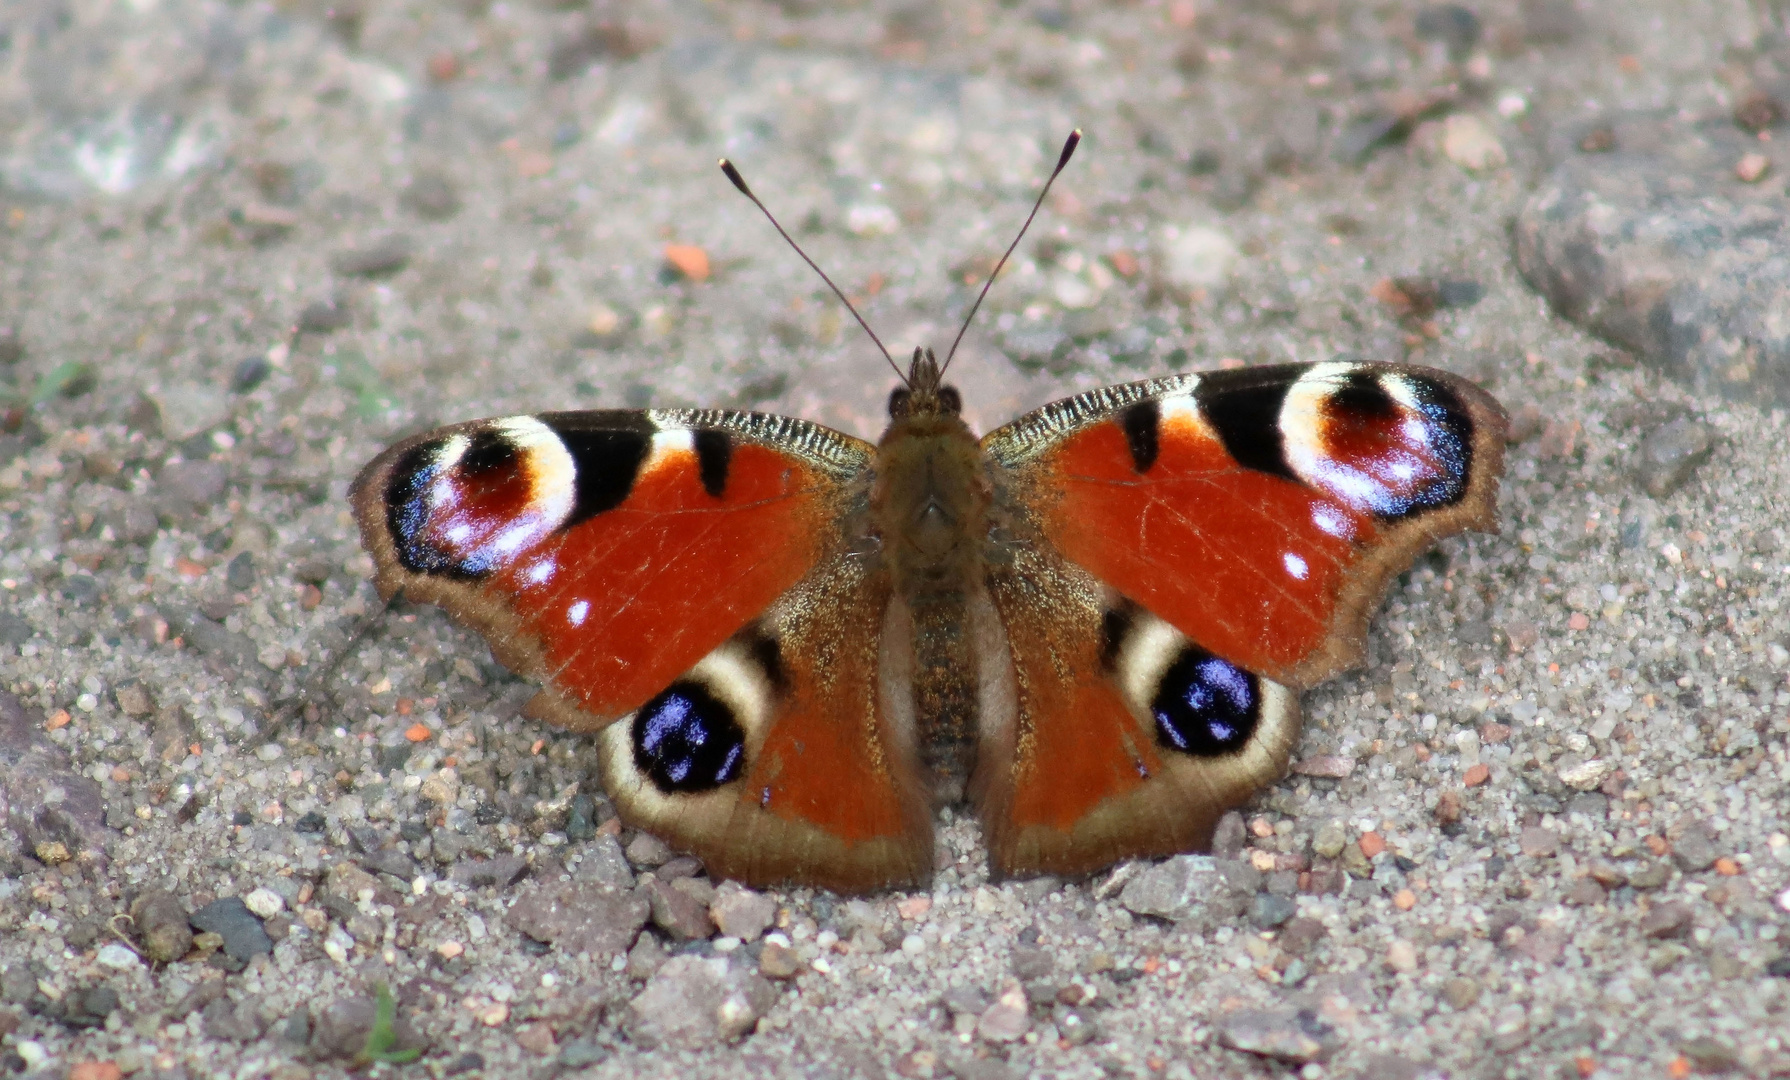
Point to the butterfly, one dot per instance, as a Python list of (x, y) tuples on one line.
[(1092, 624)]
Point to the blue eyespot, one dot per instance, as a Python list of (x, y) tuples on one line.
[(1205, 705), (687, 740)]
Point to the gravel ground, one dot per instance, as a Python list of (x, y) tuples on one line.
[(245, 245)]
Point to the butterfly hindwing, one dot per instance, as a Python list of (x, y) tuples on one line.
[(785, 754), (1259, 511), (1120, 737), (607, 552)]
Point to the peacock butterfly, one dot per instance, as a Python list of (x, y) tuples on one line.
[(1092, 624)]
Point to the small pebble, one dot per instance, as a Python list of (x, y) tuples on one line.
[(687, 261), (1197, 257), (1469, 142), (1751, 168), (1671, 453), (264, 902), (1401, 956)]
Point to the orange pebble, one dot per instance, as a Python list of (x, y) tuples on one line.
[(405, 705), (1726, 867), (1372, 843), (1680, 1068), (689, 260), (1477, 775), (1658, 844), (1585, 1065), (59, 718), (95, 1070), (418, 732), (1404, 900)]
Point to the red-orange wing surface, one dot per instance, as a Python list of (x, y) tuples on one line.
[(607, 552), (1188, 553)]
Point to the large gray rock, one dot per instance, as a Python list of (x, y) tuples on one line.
[(54, 813), (1658, 246), (695, 1001), (1189, 888), (580, 917)]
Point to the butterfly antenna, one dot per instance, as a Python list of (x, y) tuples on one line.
[(739, 181), (298, 707), (1069, 146)]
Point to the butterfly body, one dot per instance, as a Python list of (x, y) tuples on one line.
[(1091, 624)]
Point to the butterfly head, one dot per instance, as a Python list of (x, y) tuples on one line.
[(924, 393)]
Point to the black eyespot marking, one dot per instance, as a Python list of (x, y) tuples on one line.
[(489, 452), (1115, 626), (607, 463), (687, 740), (1360, 393), (1247, 417), (1206, 706), (714, 450), (1141, 423), (1451, 440), (407, 513), (768, 655)]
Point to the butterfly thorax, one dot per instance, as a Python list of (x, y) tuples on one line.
[(929, 506)]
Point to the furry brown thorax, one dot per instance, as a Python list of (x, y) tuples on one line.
[(929, 508)]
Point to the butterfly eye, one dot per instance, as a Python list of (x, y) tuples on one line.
[(950, 401), (899, 399), (688, 740)]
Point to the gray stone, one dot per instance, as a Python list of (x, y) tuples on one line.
[(1230, 837), (1651, 876), (234, 1021), (647, 851), (1655, 247), (53, 812), (432, 196), (235, 651), (739, 912), (1695, 851), (1268, 910), (601, 861), (341, 1029), (230, 918), (695, 1002), (14, 630), (580, 917), (189, 487), (1008, 1019), (497, 872), (324, 316), (1667, 920), (240, 573), (380, 257), (1670, 453), (1186, 888), (676, 912), (1296, 1036)]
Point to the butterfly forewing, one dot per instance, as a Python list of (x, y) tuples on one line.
[(1259, 511), (591, 548)]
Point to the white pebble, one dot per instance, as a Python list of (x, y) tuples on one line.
[(913, 944), (117, 957), (264, 902)]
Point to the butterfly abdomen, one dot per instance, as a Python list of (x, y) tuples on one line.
[(929, 505)]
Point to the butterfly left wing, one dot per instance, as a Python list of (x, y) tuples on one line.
[(690, 574), (1187, 553)]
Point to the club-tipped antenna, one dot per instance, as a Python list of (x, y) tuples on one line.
[(739, 182), (1069, 146)]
